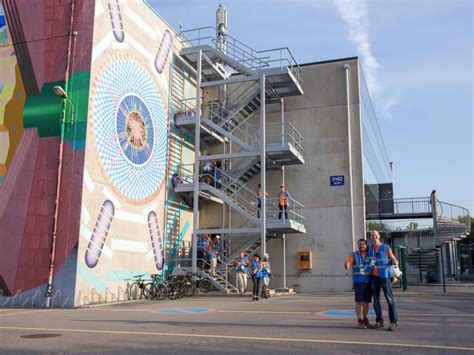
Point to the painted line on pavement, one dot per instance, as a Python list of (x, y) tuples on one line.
[(90, 308), (267, 312), (25, 312), (234, 337)]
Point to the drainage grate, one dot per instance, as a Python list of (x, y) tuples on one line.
[(40, 336)]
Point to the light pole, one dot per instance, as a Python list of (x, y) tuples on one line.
[(59, 92)]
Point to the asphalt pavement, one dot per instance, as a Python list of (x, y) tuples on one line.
[(430, 322)]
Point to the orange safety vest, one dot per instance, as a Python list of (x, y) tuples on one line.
[(283, 198)]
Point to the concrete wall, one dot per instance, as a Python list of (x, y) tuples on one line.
[(321, 116)]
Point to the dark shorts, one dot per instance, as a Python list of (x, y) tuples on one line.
[(362, 291)]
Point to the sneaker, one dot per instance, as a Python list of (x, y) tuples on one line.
[(392, 327), (361, 324), (368, 324), (256, 298), (378, 325)]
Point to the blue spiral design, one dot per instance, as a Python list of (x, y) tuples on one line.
[(126, 88)]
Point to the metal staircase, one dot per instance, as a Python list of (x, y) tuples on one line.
[(234, 83)]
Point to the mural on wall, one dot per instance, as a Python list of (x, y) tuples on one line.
[(126, 182), (34, 39), (118, 215)]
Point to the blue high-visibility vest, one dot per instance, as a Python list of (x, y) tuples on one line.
[(242, 268), (381, 260), (256, 267), (360, 268)]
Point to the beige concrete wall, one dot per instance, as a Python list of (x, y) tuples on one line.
[(321, 116), (133, 76)]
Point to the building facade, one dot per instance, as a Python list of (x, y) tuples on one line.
[(107, 181)]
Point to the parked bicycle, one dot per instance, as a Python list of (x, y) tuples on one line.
[(137, 289), (195, 281)]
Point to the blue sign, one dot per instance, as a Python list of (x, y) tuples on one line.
[(337, 180)]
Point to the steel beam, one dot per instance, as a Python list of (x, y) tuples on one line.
[(228, 230), (197, 144), (263, 212), (230, 81)]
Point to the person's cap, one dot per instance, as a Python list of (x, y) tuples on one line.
[(266, 255), (282, 185), (218, 236)]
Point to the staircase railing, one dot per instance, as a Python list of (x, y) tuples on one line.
[(284, 133), (242, 53), (294, 210), (239, 128), (235, 49), (235, 190)]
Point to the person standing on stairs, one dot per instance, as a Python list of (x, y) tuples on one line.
[(283, 199), (259, 199), (215, 249)]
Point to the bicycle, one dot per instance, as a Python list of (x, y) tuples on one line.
[(157, 289), (137, 289), (195, 281)]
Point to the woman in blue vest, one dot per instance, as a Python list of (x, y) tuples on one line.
[(266, 274), (241, 266), (256, 275), (361, 268), (381, 255)]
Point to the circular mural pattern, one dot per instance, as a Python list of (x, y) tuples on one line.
[(130, 126), (135, 129)]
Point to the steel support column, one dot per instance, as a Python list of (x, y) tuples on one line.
[(263, 225), (283, 237), (349, 144), (197, 147)]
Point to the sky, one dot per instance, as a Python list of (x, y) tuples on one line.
[(417, 56)]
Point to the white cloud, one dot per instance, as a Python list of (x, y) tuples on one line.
[(354, 13)]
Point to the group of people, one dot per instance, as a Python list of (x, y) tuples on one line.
[(371, 274), (258, 270), (283, 200), (208, 252), (211, 173)]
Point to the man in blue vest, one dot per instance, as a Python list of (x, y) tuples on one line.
[(360, 262), (381, 257), (203, 243)]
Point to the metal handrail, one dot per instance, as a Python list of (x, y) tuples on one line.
[(401, 206), (294, 209), (281, 56), (233, 188), (289, 134), (220, 116)]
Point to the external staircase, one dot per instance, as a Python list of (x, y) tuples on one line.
[(242, 82)]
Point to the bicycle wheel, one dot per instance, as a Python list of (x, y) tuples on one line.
[(149, 290), (181, 290), (173, 291), (205, 286), (189, 288), (134, 291), (161, 292)]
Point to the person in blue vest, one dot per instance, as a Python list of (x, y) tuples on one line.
[(266, 275), (256, 275), (203, 242), (215, 251), (361, 268), (241, 268), (381, 257)]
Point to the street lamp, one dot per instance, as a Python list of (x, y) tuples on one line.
[(59, 92)]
